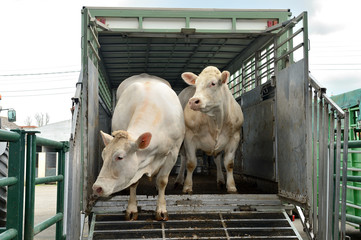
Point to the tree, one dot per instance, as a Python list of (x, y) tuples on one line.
[(28, 121), (41, 119)]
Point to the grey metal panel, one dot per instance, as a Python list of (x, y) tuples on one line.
[(93, 161), (74, 170), (258, 153), (291, 125)]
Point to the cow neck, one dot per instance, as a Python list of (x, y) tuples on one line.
[(220, 112), (218, 117)]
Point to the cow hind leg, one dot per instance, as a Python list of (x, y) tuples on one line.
[(132, 210)]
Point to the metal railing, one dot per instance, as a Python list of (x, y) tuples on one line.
[(353, 211), (15, 180), (326, 122)]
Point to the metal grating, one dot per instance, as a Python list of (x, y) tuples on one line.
[(239, 216)]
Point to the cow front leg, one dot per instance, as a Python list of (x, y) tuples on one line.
[(132, 210), (229, 155), (161, 213), (229, 164), (191, 165), (220, 177)]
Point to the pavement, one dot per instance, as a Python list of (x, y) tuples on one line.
[(45, 207)]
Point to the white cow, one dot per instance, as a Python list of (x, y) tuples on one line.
[(148, 130), (213, 122)]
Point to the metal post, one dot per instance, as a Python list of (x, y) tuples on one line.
[(331, 174), (309, 153), (30, 186), (344, 174), (321, 206), (60, 191), (337, 180), (315, 191), (16, 192), (325, 172)]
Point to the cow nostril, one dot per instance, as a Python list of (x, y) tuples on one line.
[(99, 190), (196, 101)]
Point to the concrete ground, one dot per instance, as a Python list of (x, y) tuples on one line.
[(45, 207)]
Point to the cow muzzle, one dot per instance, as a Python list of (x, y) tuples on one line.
[(195, 104), (98, 190)]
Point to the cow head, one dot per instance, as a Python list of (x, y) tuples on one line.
[(209, 86), (120, 161)]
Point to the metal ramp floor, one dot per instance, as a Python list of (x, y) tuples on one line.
[(236, 216)]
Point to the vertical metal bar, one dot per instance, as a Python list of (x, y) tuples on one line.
[(309, 152), (337, 180), (257, 80), (331, 174), (315, 191), (305, 42), (326, 169), (30, 186), (60, 192), (321, 169), (14, 218), (243, 78), (344, 174)]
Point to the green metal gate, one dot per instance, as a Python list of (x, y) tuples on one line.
[(19, 154)]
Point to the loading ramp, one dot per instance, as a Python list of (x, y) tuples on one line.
[(203, 216)]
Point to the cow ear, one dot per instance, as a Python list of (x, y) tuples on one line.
[(106, 138), (225, 76), (189, 78), (144, 140)]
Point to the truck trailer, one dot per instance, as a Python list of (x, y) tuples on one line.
[(290, 153)]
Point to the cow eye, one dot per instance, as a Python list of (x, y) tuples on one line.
[(213, 84), (119, 158)]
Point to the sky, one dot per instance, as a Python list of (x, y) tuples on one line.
[(40, 47)]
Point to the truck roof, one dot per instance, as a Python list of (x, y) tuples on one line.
[(167, 42)]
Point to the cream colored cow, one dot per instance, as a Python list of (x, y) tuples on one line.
[(213, 122), (148, 130)]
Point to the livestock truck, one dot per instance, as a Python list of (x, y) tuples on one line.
[(289, 155)]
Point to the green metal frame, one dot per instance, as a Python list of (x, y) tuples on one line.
[(15, 183), (15, 180)]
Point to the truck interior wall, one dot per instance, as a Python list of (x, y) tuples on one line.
[(255, 157), (105, 123)]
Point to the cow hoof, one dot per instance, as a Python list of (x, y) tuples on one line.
[(161, 216), (187, 191), (232, 190), (131, 216)]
